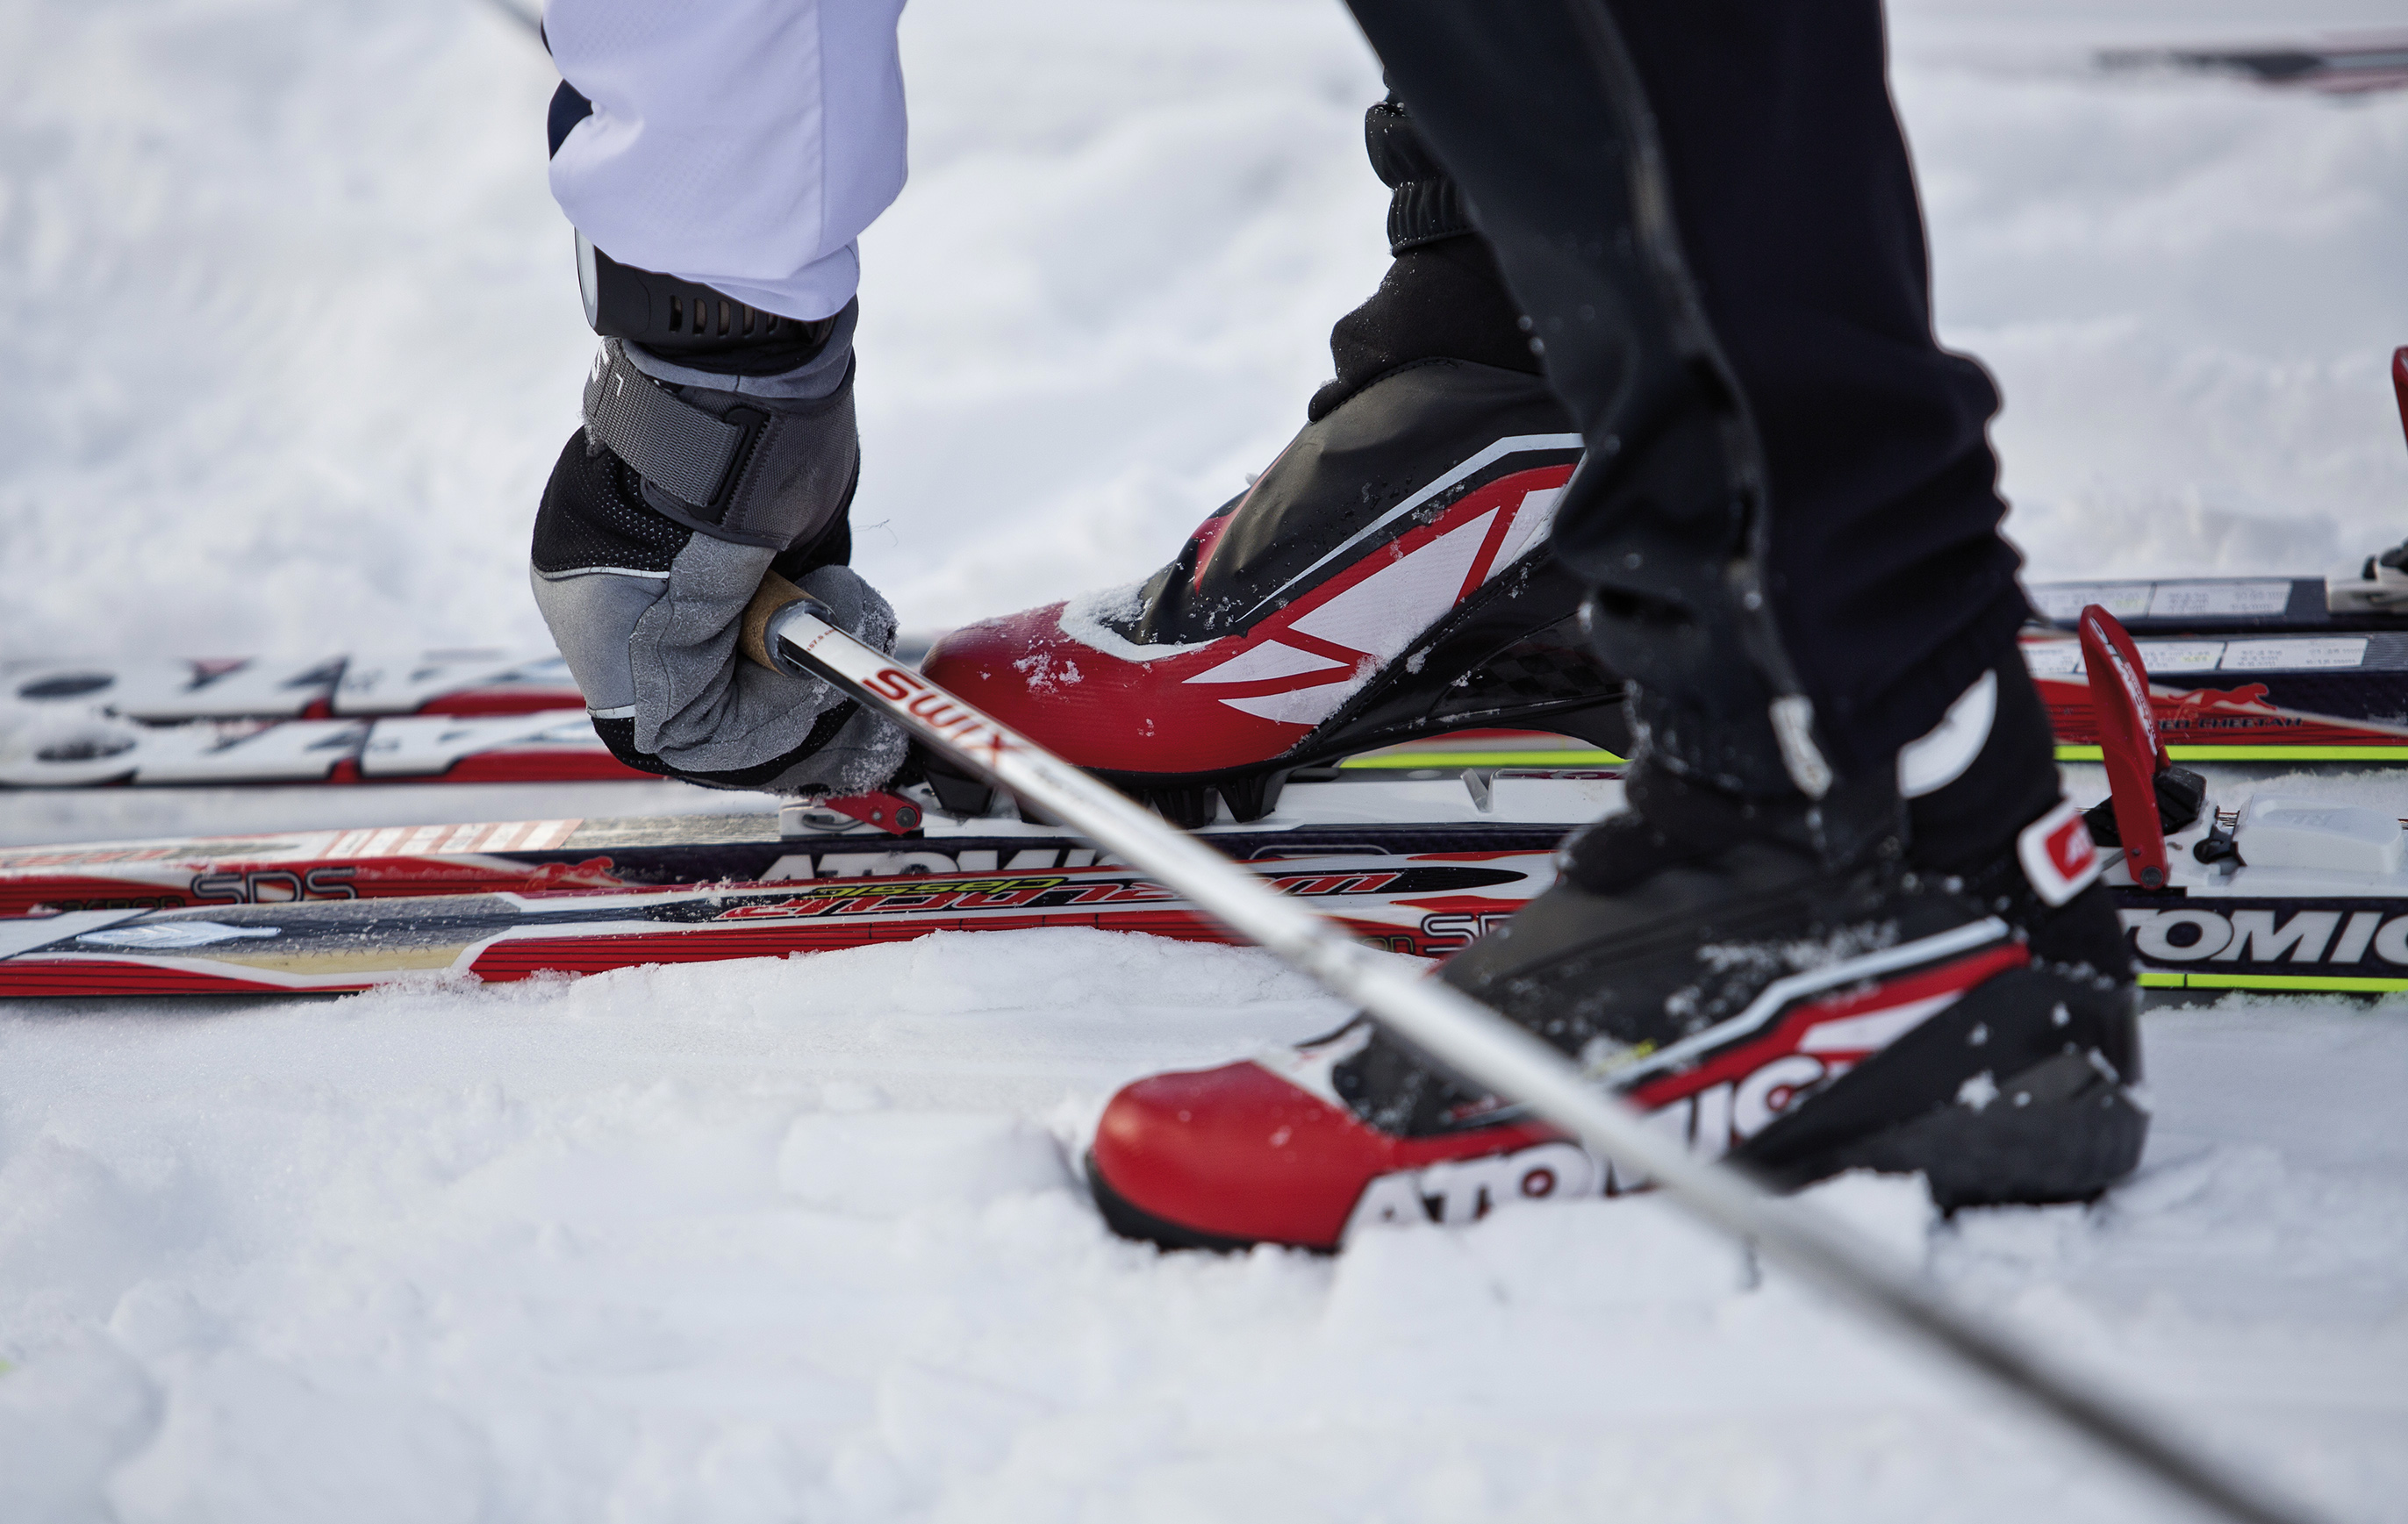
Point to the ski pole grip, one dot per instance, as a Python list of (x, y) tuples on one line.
[(776, 596)]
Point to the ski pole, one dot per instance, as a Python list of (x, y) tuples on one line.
[(784, 630)]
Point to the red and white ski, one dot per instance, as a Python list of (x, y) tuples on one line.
[(2239, 670), (454, 717), (2289, 894)]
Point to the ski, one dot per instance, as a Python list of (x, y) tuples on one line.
[(2296, 894), (553, 745), (2333, 66), (169, 690), (2291, 895), (2243, 669), (2239, 669), (453, 716), (1377, 811), (1418, 860), (1429, 900)]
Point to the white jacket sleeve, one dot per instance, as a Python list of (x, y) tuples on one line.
[(742, 142)]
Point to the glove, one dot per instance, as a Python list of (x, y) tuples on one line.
[(684, 487)]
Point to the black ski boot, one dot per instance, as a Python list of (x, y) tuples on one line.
[(1388, 576), (1789, 986)]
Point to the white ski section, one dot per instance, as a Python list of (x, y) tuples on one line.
[(54, 752), (1303, 705), (1875, 1030), (421, 743), (1082, 618), (2173, 659), (1379, 615), (22, 934), (1264, 661), (1513, 443), (1532, 518), (154, 689), (49, 816), (168, 936), (396, 684), (1831, 974), (2275, 832), (784, 1240)]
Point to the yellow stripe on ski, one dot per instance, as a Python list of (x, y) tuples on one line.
[(2330, 984), (2257, 753)]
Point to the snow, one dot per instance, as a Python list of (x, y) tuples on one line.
[(2184, 286), (784, 1240), (296, 340)]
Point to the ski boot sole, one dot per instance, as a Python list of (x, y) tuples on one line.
[(1131, 1222)]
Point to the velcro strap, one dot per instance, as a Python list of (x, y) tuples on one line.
[(672, 444)]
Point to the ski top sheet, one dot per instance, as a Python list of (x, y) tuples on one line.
[(2334, 65), (2288, 895), (456, 716), (553, 745), (2282, 893), (2297, 896), (2285, 670), (1426, 903), (167, 690), (442, 718), (1417, 864), (2240, 669), (2250, 670), (1379, 811)]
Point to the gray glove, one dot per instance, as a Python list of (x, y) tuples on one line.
[(663, 514)]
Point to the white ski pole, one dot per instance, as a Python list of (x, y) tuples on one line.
[(784, 630)]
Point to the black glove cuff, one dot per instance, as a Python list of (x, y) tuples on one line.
[(1425, 206), (689, 322)]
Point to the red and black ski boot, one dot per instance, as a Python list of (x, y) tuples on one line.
[(1770, 991), (1387, 578)]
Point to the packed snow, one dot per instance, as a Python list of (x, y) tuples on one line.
[(797, 1240), (295, 339)]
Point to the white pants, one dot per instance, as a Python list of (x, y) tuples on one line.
[(742, 142)]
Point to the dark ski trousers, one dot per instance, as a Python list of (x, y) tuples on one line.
[(1705, 207)]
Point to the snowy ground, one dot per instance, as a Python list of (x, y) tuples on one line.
[(293, 341), (781, 1241)]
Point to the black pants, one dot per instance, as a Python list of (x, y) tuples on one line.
[(1707, 211)]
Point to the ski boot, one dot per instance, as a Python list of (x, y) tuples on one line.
[(1387, 578), (1962, 1009)]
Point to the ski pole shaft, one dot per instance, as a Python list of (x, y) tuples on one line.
[(784, 630)]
